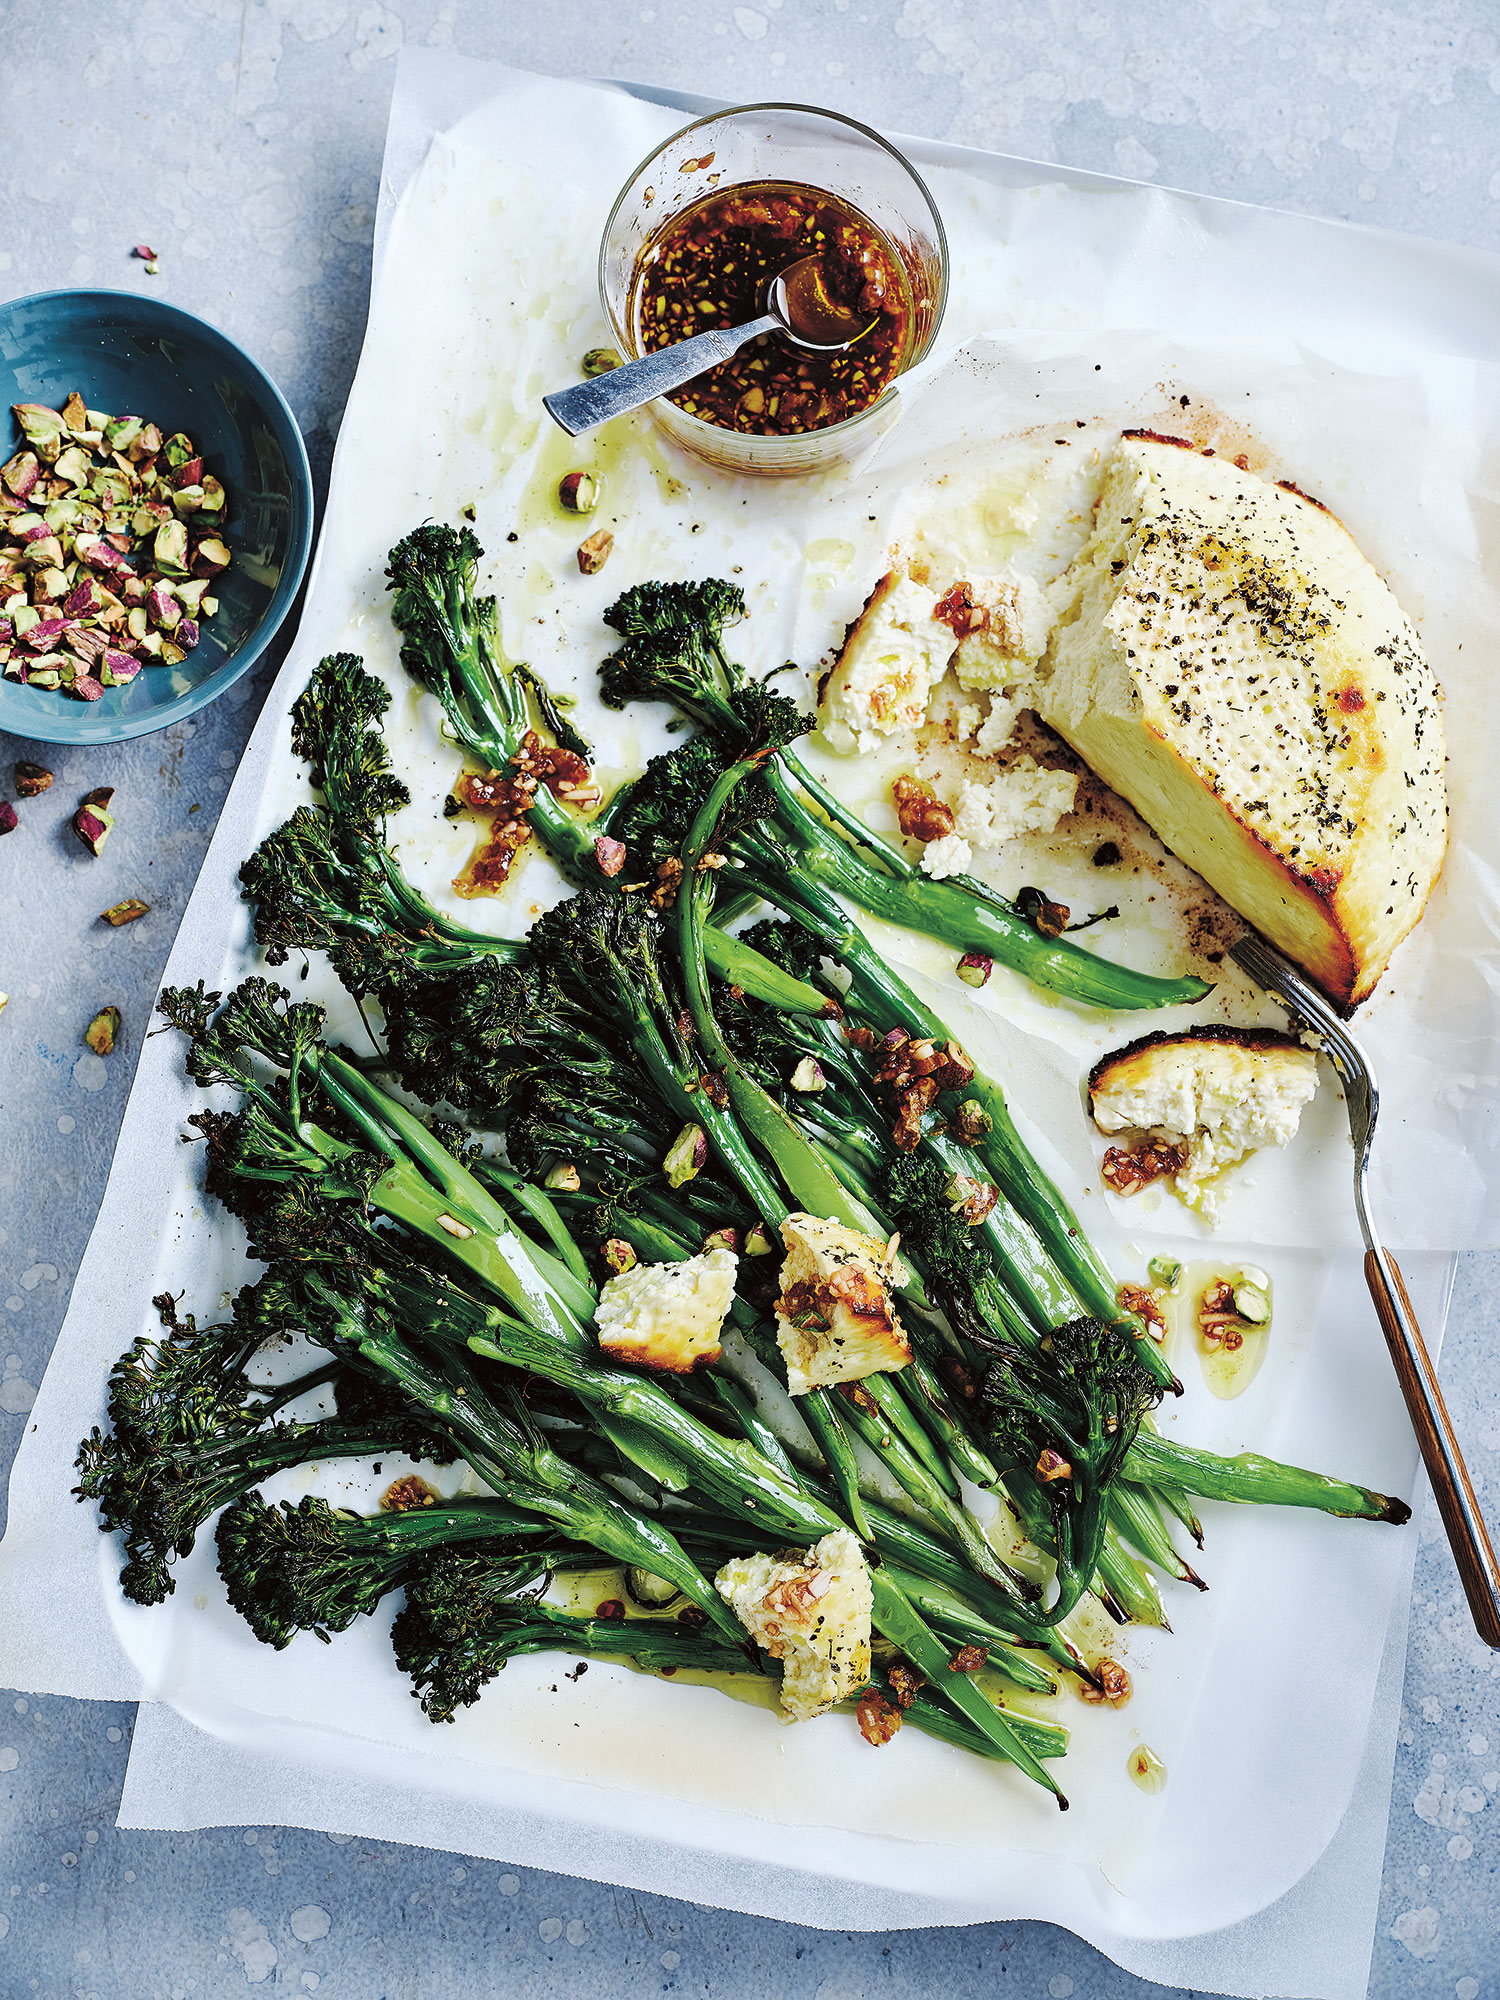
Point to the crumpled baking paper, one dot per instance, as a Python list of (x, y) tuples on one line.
[(1265, 1703)]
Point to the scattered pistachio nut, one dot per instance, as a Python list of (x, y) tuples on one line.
[(609, 855), (686, 1156), (1046, 917), (109, 541), (973, 1121), (593, 553), (808, 1077), (103, 1031), (726, 1238), (599, 360), (579, 492), (974, 968), (759, 1242), (128, 912), (565, 1176), (8, 817), (619, 1255), (31, 778), (93, 820)]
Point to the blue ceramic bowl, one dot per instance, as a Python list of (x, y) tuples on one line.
[(138, 356)]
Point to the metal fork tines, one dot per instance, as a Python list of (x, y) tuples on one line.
[(1308, 1009), (1477, 1566)]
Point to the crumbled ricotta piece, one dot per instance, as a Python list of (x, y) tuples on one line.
[(966, 720), (1024, 799), (952, 855), (810, 1609), (1015, 620), (835, 1320), (668, 1316), (894, 654), (1223, 1092), (998, 726)]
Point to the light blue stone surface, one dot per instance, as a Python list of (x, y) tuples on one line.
[(242, 140)]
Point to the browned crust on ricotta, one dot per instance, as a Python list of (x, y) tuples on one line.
[(1332, 963), (1258, 1041), (1162, 437), (852, 630)]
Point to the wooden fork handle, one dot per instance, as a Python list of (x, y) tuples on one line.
[(1478, 1569)]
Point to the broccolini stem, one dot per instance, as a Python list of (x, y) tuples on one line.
[(1037, 1202), (529, 1279), (1134, 1512), (947, 1612), (733, 1472), (1253, 1479), (820, 1413), (534, 1477), (884, 1390), (807, 1176), (957, 916), (927, 1490), (898, 1620)]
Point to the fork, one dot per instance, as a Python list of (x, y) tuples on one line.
[(1478, 1569)]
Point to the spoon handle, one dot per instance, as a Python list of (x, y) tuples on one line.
[(636, 382)]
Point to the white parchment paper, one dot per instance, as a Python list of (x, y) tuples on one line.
[(1261, 1701)]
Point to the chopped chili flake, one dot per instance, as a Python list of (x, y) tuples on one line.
[(922, 815), (1128, 1171), (1113, 1685), (905, 1684), (712, 264), (1143, 1302), (959, 612), (878, 1719)]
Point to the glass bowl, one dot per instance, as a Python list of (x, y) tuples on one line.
[(778, 142), (125, 353)]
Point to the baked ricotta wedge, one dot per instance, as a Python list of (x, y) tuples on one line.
[(1234, 667)]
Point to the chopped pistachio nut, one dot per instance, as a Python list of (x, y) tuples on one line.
[(686, 1156), (565, 1176), (759, 1242), (808, 1077), (579, 492), (103, 1031), (974, 968), (619, 1255), (93, 820), (9, 820), (128, 912), (593, 553), (109, 541), (599, 360), (1252, 1303)]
